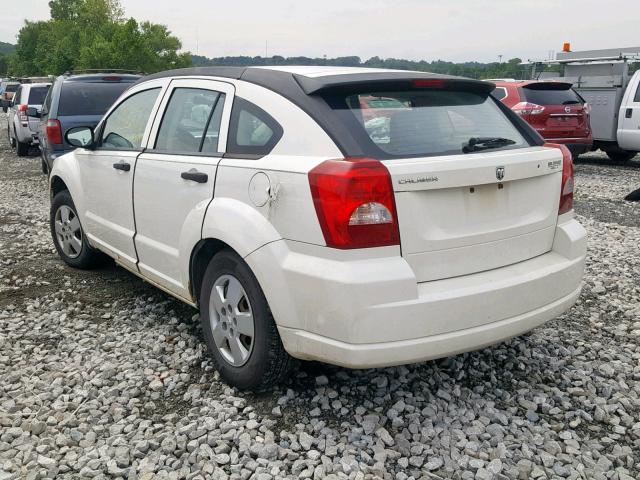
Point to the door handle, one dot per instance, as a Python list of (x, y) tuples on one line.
[(628, 113), (195, 176), (124, 166)]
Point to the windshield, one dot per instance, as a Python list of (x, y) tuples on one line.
[(88, 98), (37, 94), (550, 96), (427, 122)]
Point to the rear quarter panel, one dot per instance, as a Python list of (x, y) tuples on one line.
[(289, 209)]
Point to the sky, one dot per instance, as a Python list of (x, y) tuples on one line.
[(454, 30)]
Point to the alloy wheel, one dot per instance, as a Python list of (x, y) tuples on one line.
[(231, 317), (68, 231)]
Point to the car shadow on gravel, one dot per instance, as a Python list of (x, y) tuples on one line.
[(606, 161)]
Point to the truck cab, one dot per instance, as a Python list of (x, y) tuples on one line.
[(629, 116)]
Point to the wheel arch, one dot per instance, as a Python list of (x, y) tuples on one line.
[(65, 176), (228, 224), (57, 185), (201, 256)]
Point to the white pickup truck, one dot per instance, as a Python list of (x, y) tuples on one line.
[(602, 78)]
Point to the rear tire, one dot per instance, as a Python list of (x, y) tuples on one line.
[(248, 357), (22, 148), (68, 235), (12, 141), (620, 155)]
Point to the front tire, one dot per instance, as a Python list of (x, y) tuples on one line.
[(238, 326), (68, 236)]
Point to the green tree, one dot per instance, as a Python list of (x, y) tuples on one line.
[(85, 34)]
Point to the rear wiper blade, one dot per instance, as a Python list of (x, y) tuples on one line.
[(571, 102), (475, 144)]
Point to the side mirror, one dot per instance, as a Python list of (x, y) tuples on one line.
[(80, 137), (33, 112)]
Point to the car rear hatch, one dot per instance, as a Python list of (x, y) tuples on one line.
[(556, 110), (473, 188), (83, 103), (469, 213)]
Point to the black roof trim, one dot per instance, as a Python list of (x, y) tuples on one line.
[(225, 72)]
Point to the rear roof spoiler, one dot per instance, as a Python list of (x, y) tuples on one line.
[(548, 86), (387, 81)]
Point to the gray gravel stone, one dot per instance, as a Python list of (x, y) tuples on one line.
[(103, 376)]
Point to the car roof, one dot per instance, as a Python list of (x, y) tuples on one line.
[(41, 84), (523, 83), (99, 77), (289, 80)]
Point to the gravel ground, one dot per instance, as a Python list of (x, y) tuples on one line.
[(103, 376)]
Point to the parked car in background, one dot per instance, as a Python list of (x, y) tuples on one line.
[(7, 89), (265, 197), (557, 112), (76, 99), (22, 126), (604, 79)]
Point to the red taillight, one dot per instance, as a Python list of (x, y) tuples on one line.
[(54, 132), (355, 204), (566, 192), (22, 115), (527, 108)]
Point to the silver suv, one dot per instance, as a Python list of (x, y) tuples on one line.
[(22, 127)]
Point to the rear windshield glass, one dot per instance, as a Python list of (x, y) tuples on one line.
[(546, 96), (37, 94), (80, 98), (424, 122)]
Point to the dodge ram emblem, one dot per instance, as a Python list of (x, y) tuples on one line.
[(499, 173)]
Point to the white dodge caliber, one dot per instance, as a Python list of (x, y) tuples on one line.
[(358, 217)]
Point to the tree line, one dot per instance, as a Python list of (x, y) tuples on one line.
[(93, 34), (509, 69)]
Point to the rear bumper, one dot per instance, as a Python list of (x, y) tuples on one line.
[(576, 146), (372, 313), (26, 135), (308, 346)]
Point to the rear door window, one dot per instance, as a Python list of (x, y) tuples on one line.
[(88, 98), (637, 97), (549, 94), (412, 123), (16, 96), (189, 113), (37, 95)]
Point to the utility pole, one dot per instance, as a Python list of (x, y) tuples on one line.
[(266, 49)]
